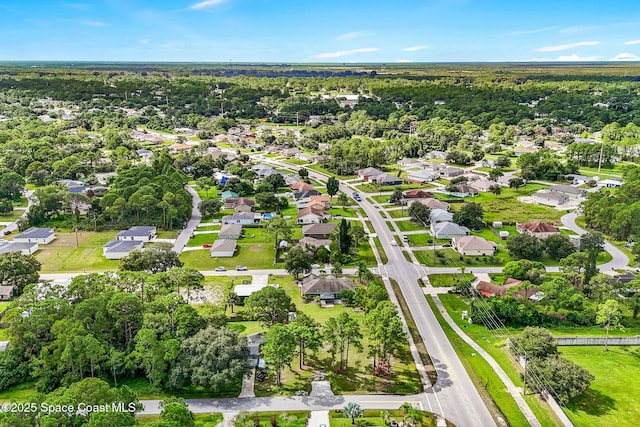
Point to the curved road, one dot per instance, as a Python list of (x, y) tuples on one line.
[(619, 261)]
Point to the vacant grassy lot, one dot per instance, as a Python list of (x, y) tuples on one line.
[(63, 255), (258, 256), (374, 188), (614, 394), (495, 344), (409, 226), (450, 258), (11, 216), (201, 420), (321, 169), (449, 280)]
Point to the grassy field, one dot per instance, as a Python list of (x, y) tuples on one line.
[(409, 226), (398, 213), (373, 417), (494, 344), (63, 255), (11, 216), (614, 394), (347, 213), (448, 280), (374, 188), (201, 420), (451, 258), (258, 256), (358, 377), (321, 169), (381, 252)]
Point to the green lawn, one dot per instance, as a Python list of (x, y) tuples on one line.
[(614, 396), (258, 256), (321, 169), (423, 239), (408, 226), (449, 280), (358, 379), (494, 344), (346, 213), (63, 255), (489, 385), (373, 417), (451, 258), (170, 234), (381, 199), (374, 188), (381, 252), (398, 213), (201, 420)]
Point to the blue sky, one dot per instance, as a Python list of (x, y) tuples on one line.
[(339, 31)]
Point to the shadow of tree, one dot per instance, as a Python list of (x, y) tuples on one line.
[(593, 402)]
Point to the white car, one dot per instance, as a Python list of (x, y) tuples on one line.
[(241, 268), (393, 243), (221, 269)]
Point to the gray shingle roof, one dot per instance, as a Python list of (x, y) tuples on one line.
[(121, 245), (35, 233)]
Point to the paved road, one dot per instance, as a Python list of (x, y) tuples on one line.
[(12, 227), (289, 403), (618, 261), (192, 224)]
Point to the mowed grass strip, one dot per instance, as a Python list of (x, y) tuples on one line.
[(614, 396)]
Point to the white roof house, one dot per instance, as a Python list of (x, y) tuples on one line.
[(244, 218), (245, 291), (448, 230), (138, 233), (22, 247), (117, 249), (422, 175), (223, 248), (37, 235), (440, 215)]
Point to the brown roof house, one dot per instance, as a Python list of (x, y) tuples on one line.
[(311, 215), (318, 231), (327, 288), (537, 229)]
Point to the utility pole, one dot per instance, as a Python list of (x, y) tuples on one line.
[(601, 150), (297, 119)]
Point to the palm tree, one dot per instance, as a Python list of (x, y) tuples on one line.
[(232, 300), (336, 270), (386, 417), (352, 410), (343, 200)]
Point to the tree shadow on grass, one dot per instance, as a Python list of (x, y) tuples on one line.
[(593, 402)]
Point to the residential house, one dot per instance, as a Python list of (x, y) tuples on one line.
[(432, 166), (464, 190), (291, 152), (406, 162), (223, 248), (310, 215), (306, 157), (145, 155), (230, 232), (244, 205), (4, 345), (474, 246), (450, 172), (482, 184), (625, 278), (537, 229), (440, 215), (386, 179), (504, 180), (422, 175), (418, 194), (245, 291), (117, 249), (318, 231), (28, 248), (6, 292), (305, 195), (264, 171), (368, 173), (323, 199), (519, 151), (433, 203), (244, 218), (301, 186), (326, 288), (549, 199), (437, 155), (610, 183), (314, 243), (177, 147), (228, 194), (41, 236), (492, 290), (72, 185), (568, 190), (448, 230), (578, 179), (138, 233)]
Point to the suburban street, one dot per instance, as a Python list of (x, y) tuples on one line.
[(192, 224)]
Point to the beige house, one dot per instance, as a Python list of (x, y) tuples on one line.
[(537, 229), (474, 246)]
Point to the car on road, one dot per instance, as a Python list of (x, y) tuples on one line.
[(241, 268), (207, 245), (393, 423), (447, 245), (221, 269), (393, 243)]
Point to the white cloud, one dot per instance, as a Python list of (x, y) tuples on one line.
[(144, 41), (559, 47), (345, 52), (412, 48), (205, 4), (534, 31), (625, 56), (353, 35), (574, 57), (93, 23), (632, 42)]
